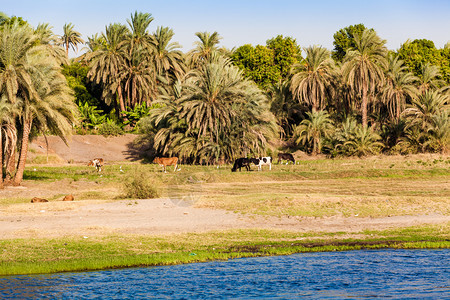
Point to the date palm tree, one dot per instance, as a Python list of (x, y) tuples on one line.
[(51, 109), (400, 85), (70, 38), (313, 129), (312, 78), (30, 78), (423, 107), (168, 59), (107, 61), (204, 48), (363, 67), (140, 36), (8, 134), (430, 78), (48, 39)]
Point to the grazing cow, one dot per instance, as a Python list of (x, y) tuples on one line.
[(166, 161), (97, 163), (242, 162), (263, 161), (36, 200), (285, 156)]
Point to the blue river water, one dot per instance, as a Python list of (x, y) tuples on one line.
[(362, 274)]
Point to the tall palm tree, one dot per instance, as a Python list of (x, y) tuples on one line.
[(31, 76), (363, 67), (140, 36), (71, 38), (107, 61), (313, 129), (312, 78), (168, 59), (52, 108), (400, 85), (217, 115), (209, 94), (204, 48)]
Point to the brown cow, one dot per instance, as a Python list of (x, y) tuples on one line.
[(68, 198), (36, 199), (166, 161), (97, 163)]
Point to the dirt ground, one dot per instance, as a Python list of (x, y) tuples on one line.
[(147, 217)]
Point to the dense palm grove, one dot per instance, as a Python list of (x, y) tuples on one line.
[(214, 104)]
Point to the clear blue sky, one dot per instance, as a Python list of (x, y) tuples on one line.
[(249, 21)]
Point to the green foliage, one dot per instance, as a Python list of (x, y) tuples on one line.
[(419, 52), (286, 53), (85, 91), (90, 117), (133, 115), (110, 128), (344, 39), (258, 64)]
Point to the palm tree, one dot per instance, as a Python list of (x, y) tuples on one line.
[(312, 78), (107, 61), (168, 59), (399, 86), (423, 107), (430, 78), (365, 142), (313, 129), (216, 114), (71, 38), (209, 94), (140, 36), (205, 47), (363, 67), (8, 132), (47, 38), (31, 77), (284, 107), (439, 131)]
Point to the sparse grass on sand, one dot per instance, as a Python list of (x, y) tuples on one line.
[(379, 186)]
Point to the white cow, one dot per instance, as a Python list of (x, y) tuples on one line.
[(264, 161)]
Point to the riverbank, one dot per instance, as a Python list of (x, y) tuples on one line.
[(205, 213), (32, 256)]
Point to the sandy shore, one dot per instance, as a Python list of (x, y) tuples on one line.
[(164, 216)]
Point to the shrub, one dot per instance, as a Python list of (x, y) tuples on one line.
[(110, 129), (140, 186)]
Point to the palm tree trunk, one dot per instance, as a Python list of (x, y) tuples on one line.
[(364, 107), (1, 160), (23, 152)]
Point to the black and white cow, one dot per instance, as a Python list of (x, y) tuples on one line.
[(240, 163), (285, 156), (263, 161)]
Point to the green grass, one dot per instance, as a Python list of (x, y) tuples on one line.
[(31, 256)]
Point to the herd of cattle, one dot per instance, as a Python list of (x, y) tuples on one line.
[(239, 163)]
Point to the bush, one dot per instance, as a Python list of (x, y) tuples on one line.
[(110, 129), (140, 186)]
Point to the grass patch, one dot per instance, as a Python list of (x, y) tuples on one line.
[(30, 256)]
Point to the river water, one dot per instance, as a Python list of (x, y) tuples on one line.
[(394, 274)]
